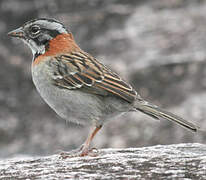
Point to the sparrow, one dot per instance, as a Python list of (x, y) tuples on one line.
[(76, 85)]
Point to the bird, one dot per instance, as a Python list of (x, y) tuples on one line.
[(77, 86)]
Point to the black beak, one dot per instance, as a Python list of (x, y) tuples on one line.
[(17, 33)]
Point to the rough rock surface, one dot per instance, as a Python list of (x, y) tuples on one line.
[(179, 161)]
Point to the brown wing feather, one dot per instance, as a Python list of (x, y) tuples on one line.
[(80, 70)]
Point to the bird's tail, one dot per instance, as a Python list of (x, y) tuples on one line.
[(156, 112)]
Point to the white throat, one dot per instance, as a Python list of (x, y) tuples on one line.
[(34, 47)]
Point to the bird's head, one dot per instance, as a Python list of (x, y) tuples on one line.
[(38, 33)]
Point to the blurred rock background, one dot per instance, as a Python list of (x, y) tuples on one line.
[(158, 46)]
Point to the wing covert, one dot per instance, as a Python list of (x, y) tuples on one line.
[(79, 70)]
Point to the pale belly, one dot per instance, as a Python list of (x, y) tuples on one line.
[(74, 105)]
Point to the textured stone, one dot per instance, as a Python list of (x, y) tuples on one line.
[(178, 161)]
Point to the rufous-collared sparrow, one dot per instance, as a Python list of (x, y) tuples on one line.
[(77, 86)]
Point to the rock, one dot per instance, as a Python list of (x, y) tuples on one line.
[(178, 161)]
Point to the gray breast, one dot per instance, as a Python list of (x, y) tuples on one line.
[(75, 105)]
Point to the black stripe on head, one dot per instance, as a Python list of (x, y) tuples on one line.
[(39, 32), (49, 29), (51, 20), (46, 36), (52, 32)]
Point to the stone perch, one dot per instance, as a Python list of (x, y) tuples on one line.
[(178, 161)]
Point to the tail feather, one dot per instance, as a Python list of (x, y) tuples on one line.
[(157, 113)]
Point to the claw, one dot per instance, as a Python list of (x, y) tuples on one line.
[(79, 153), (91, 152), (84, 149)]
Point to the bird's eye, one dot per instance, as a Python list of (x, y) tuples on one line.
[(35, 29)]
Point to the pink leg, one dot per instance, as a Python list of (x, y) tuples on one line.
[(85, 150)]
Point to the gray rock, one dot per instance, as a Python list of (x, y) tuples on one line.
[(178, 161)]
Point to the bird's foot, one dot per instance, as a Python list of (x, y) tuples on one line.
[(80, 152)]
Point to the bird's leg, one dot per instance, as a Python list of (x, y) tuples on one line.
[(84, 149)]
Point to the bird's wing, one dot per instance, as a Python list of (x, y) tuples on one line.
[(79, 70)]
